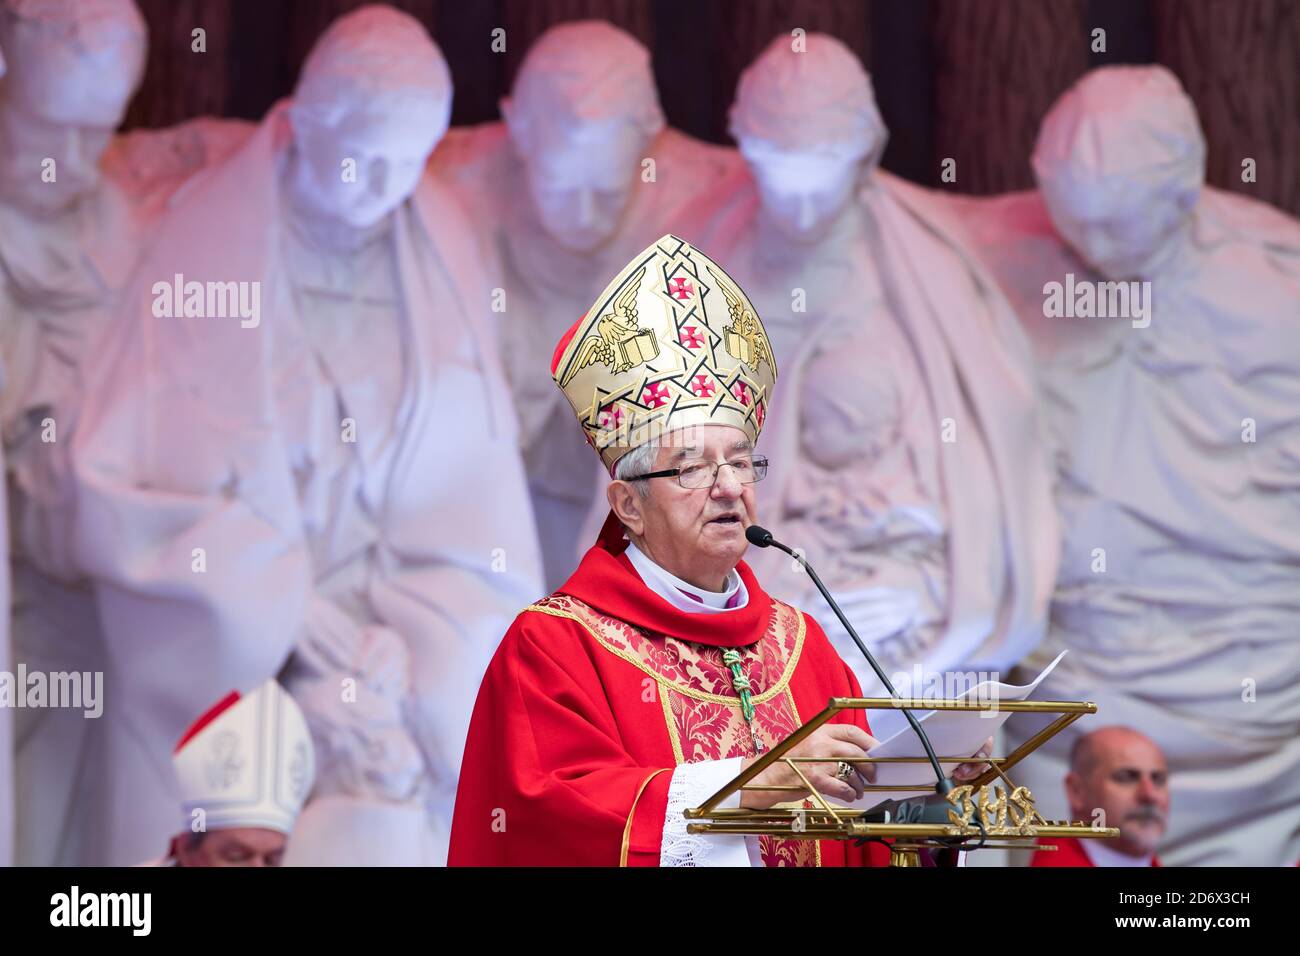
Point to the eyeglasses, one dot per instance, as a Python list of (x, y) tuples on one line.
[(702, 474)]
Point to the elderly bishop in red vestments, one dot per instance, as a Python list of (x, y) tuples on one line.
[(661, 667)]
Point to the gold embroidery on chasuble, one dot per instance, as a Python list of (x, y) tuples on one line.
[(701, 708)]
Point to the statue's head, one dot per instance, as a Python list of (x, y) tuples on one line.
[(372, 102), (73, 66), (806, 121), (581, 116), (1120, 162)]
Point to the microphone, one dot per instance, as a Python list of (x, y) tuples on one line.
[(914, 810)]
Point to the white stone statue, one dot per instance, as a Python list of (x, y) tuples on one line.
[(580, 176), (76, 204), (1164, 317), (302, 442), (905, 455), (68, 237)]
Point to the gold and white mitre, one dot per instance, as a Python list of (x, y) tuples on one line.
[(247, 762), (672, 342)]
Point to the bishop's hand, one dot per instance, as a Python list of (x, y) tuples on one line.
[(969, 771), (843, 741)]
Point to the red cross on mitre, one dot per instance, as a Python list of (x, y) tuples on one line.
[(741, 392), (690, 337), (611, 416), (758, 414), (703, 386), (680, 289), (655, 395)]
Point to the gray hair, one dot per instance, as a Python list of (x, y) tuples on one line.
[(638, 461)]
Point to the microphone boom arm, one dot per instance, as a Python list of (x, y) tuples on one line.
[(762, 538)]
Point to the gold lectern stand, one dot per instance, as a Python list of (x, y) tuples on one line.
[(978, 813)]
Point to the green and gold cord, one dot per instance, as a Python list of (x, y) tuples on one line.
[(732, 658)]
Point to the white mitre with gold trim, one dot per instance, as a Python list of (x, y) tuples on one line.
[(247, 762), (672, 342)]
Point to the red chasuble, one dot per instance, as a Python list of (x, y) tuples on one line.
[(598, 691)]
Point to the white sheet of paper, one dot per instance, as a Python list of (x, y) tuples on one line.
[(951, 732)]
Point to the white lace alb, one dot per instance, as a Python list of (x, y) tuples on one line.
[(691, 784)]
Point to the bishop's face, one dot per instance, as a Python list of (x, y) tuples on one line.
[(581, 181), (698, 534), (58, 109), (360, 168)]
